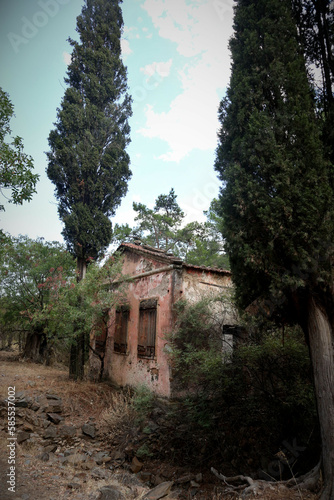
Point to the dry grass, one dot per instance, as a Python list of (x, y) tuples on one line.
[(81, 399), (120, 414)]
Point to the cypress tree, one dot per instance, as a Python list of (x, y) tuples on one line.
[(88, 162), (276, 196)]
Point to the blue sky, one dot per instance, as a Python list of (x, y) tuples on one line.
[(176, 52)]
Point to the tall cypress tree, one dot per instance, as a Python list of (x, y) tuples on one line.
[(87, 161), (277, 197)]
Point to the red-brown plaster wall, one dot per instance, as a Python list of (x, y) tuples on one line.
[(129, 369)]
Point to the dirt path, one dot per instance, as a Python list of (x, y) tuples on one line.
[(41, 479), (55, 460)]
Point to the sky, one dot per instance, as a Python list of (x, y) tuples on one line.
[(178, 62)]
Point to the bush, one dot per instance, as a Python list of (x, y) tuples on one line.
[(241, 411)]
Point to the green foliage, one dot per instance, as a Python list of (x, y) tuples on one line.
[(31, 272), (244, 407), (276, 196), (197, 345), (15, 166), (202, 243), (142, 402), (161, 227), (144, 451), (79, 307), (87, 161)]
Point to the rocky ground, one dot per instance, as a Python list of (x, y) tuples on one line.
[(69, 446)]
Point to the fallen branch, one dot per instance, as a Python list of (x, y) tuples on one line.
[(247, 485)]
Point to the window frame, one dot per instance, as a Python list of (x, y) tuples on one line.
[(147, 328)]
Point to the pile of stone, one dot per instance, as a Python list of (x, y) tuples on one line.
[(41, 420)]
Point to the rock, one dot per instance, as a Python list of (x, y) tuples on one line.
[(110, 493), (67, 431), (99, 473), (27, 427), (146, 477), (74, 485), (185, 479), (159, 491), (22, 436), (101, 457), (136, 466), (54, 406), (88, 465), (52, 396), (156, 480), (45, 423), (33, 420), (22, 403), (50, 448), (89, 430), (54, 418), (50, 432), (81, 476), (118, 456), (75, 459), (35, 406)]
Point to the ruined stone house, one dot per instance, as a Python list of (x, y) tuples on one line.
[(134, 343)]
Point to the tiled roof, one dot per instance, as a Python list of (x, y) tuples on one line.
[(168, 256)]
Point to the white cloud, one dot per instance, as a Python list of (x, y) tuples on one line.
[(201, 33), (67, 58), (161, 68), (125, 47), (193, 26)]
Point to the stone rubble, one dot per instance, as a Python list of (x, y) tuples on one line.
[(41, 422)]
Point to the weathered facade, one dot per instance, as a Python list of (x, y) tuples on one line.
[(136, 343)]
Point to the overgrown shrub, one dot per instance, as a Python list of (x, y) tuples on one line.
[(242, 409)]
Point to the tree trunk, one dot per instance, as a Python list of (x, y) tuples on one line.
[(78, 347), (321, 341), (35, 346)]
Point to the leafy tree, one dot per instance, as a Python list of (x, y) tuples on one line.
[(201, 243), (31, 272), (80, 308), (158, 226), (15, 166), (87, 160), (276, 196), (161, 227)]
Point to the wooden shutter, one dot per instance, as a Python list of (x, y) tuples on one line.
[(147, 328)]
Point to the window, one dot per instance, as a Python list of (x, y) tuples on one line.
[(147, 328), (121, 330), (232, 335)]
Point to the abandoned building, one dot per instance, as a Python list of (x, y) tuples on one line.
[(134, 343)]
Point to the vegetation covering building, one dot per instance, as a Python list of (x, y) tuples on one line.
[(134, 344)]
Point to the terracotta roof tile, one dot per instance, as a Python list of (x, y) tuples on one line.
[(157, 252)]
